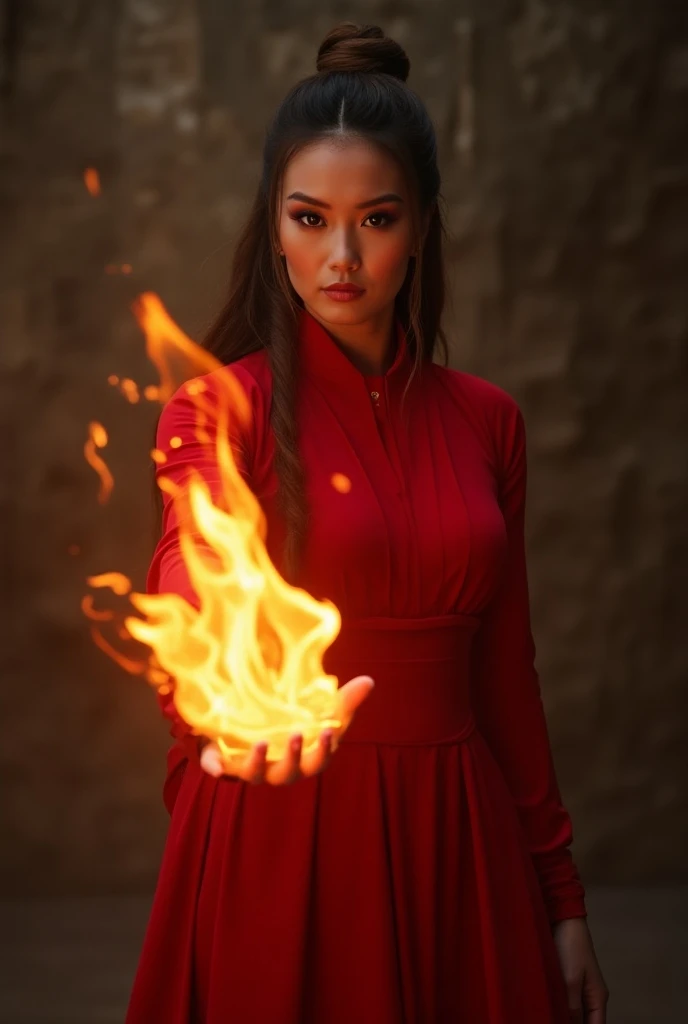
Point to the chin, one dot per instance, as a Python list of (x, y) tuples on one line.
[(342, 312)]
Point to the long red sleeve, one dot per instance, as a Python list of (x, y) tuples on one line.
[(185, 450), (507, 697)]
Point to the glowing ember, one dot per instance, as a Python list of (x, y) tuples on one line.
[(130, 390), (246, 666), (118, 268), (98, 439), (92, 181), (341, 483)]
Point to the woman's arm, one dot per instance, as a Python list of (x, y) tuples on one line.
[(186, 450), (507, 700)]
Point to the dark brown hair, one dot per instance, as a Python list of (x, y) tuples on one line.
[(359, 91)]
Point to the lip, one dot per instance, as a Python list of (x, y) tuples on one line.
[(344, 292)]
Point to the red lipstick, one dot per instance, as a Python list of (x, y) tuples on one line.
[(343, 292)]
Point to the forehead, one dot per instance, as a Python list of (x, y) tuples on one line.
[(341, 171)]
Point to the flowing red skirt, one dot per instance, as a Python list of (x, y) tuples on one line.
[(394, 888)]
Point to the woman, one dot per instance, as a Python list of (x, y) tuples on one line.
[(422, 873)]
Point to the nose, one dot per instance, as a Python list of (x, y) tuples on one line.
[(344, 254)]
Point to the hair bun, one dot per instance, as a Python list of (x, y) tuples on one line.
[(363, 48)]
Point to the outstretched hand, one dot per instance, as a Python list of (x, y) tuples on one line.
[(254, 767)]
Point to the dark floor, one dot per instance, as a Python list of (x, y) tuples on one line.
[(72, 961)]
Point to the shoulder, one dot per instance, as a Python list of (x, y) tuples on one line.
[(482, 393), (251, 372), (246, 382), (489, 406)]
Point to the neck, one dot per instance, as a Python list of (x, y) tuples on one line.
[(370, 346)]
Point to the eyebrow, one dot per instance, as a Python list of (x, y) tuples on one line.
[(388, 197)]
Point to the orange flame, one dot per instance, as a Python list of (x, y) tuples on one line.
[(116, 581), (130, 665), (98, 439), (247, 666), (106, 615), (175, 356)]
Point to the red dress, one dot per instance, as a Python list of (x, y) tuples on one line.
[(415, 880)]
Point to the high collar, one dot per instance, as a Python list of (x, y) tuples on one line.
[(322, 357)]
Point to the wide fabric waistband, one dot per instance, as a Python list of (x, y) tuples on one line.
[(421, 669), (430, 638)]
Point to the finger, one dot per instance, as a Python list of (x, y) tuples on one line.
[(574, 989), (256, 764), (287, 769), (211, 760), (350, 697), (575, 1006), (596, 1016), (317, 760), (596, 1005)]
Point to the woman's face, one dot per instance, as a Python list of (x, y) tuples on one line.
[(334, 227)]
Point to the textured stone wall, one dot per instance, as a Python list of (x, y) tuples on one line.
[(562, 126)]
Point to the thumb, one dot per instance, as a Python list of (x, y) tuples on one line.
[(350, 696)]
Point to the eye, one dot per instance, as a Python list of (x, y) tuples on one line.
[(387, 218), (307, 213)]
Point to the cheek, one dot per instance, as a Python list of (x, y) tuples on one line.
[(390, 256), (387, 263), (300, 255)]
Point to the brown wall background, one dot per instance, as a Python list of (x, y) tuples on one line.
[(563, 135)]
